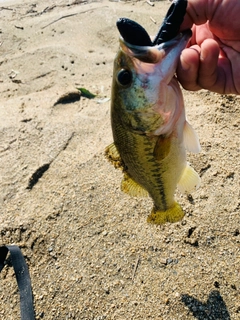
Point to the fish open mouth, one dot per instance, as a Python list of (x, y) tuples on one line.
[(136, 42), (154, 54), (134, 34)]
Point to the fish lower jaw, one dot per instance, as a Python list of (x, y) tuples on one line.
[(174, 214)]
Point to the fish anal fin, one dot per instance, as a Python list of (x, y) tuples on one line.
[(113, 156), (132, 188), (189, 180), (173, 214), (190, 138), (162, 147)]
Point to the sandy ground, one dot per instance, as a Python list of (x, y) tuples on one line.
[(90, 251)]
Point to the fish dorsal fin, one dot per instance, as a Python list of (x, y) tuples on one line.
[(132, 188), (113, 156), (162, 147), (190, 139), (189, 180)]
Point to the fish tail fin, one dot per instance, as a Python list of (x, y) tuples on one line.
[(173, 214)]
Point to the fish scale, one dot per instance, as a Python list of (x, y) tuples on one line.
[(149, 175)]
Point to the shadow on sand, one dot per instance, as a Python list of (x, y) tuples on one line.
[(214, 309)]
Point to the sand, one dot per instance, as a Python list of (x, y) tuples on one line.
[(91, 254)]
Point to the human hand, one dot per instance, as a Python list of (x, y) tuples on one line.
[(212, 59)]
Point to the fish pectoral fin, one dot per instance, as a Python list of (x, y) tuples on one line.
[(190, 138), (189, 180), (173, 214), (113, 156), (162, 147), (132, 188)]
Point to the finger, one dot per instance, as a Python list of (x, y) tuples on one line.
[(196, 14), (187, 70), (231, 67), (208, 75), (202, 33)]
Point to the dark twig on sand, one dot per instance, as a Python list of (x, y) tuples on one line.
[(63, 17), (17, 27), (69, 15), (135, 267), (6, 8)]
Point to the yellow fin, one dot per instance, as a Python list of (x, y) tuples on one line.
[(162, 147), (132, 188), (189, 180), (113, 156), (173, 214), (190, 138)]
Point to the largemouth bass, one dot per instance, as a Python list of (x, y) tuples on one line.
[(150, 130)]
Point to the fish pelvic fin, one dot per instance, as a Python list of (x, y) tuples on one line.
[(113, 156), (190, 138), (132, 188), (173, 214), (189, 180)]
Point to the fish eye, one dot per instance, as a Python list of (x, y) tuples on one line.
[(124, 77)]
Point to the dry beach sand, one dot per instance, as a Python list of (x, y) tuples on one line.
[(90, 252)]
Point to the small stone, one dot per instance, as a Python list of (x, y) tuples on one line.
[(163, 261)]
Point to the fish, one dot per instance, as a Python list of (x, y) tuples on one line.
[(150, 131)]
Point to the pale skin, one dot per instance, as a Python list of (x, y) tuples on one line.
[(212, 59)]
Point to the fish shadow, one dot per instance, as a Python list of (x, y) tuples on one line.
[(214, 309)]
